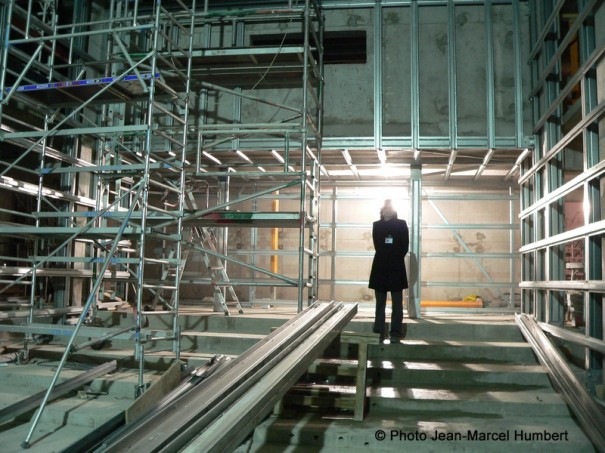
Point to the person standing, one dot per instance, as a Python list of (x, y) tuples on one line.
[(391, 242)]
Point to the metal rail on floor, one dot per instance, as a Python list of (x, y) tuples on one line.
[(588, 412), (246, 388), (34, 401)]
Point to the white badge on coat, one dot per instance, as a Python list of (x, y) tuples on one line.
[(388, 239)]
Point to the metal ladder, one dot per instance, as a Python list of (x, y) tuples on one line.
[(168, 273), (215, 265)]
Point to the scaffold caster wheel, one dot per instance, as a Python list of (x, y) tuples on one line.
[(23, 357), (25, 445)]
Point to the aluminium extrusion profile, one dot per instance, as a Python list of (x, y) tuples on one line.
[(32, 402), (228, 431), (588, 412), (182, 422), (117, 426)]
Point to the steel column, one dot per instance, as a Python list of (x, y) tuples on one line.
[(414, 292)]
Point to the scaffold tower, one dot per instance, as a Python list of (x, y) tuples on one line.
[(121, 162)]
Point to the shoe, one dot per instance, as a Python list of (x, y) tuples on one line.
[(395, 340)]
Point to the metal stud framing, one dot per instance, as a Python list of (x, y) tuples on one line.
[(568, 114)]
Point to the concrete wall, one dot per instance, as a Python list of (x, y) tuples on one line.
[(349, 88)]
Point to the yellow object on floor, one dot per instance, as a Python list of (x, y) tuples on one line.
[(452, 303)]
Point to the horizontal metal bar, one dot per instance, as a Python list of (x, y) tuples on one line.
[(597, 286), (86, 259), (41, 231), (243, 127), (56, 272), (107, 168), (230, 259), (249, 97), (238, 282), (577, 338), (82, 82), (424, 142), (41, 312), (97, 131), (13, 282), (235, 201), (566, 188), (67, 36), (593, 116), (564, 42), (255, 175), (75, 348), (30, 403), (571, 83), (497, 256), (8, 183), (469, 284), (469, 197), (354, 4), (85, 331), (577, 233), (471, 226)]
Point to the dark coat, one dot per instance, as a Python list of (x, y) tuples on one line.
[(391, 241)]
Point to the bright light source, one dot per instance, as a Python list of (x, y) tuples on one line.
[(277, 156), (211, 157), (347, 157), (262, 169), (291, 168), (392, 171), (243, 156), (382, 156), (311, 154)]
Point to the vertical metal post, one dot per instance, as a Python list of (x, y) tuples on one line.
[(313, 232), (415, 76), (302, 283), (489, 75), (334, 233), (415, 242), (224, 196), (553, 261), (378, 75), (513, 269), (451, 74), (139, 347), (593, 256), (5, 21), (518, 67), (176, 342)]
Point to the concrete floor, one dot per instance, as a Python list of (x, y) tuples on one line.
[(453, 373)]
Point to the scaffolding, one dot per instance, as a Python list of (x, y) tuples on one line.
[(111, 141)]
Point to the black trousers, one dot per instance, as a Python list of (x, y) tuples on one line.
[(396, 315)]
